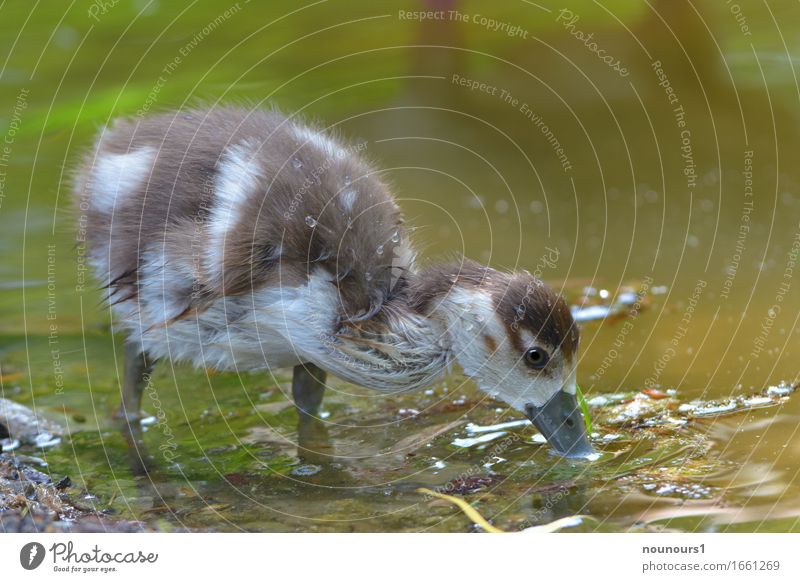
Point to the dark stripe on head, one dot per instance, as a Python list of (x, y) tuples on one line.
[(527, 303)]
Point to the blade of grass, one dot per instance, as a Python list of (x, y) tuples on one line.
[(468, 510), (479, 520)]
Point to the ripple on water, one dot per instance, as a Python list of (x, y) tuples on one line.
[(306, 470)]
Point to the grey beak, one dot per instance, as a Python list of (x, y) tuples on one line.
[(561, 423)]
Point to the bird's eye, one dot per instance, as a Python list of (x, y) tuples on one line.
[(536, 358)]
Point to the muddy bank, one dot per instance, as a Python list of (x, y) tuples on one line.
[(31, 501)]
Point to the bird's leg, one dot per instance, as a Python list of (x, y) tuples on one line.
[(138, 367), (308, 386)]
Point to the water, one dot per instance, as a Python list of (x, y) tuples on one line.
[(692, 235)]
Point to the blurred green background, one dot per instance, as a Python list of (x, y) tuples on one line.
[(637, 191)]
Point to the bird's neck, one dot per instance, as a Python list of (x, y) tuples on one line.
[(403, 351), (418, 335)]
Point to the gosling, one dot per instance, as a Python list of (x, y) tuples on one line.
[(240, 239)]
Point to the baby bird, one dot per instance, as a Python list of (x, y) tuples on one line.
[(241, 239)]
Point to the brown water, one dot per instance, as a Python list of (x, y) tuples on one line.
[(675, 180)]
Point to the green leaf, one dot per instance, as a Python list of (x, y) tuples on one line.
[(585, 409)]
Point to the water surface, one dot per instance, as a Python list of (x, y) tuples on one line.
[(675, 181)]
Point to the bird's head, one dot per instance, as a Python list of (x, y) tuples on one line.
[(517, 340)]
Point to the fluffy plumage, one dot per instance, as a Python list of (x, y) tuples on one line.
[(244, 239)]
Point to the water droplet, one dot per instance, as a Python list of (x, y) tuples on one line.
[(379, 250), (311, 221), (396, 237), (297, 164), (348, 199)]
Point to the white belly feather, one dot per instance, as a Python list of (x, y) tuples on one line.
[(269, 328)]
